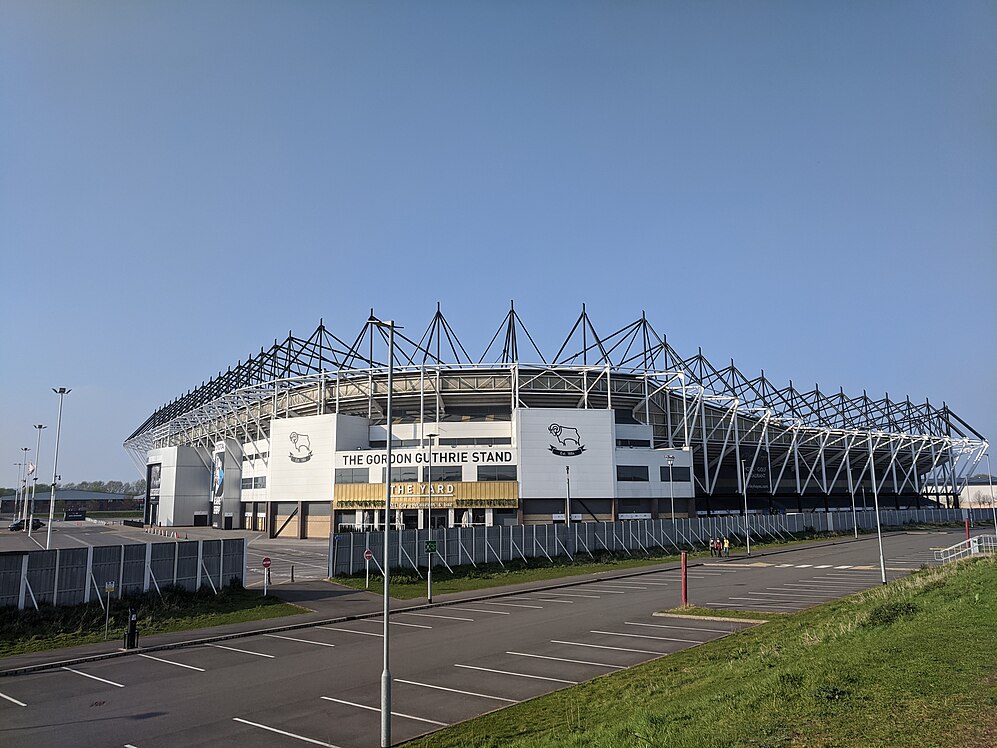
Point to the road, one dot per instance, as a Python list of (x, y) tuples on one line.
[(320, 685)]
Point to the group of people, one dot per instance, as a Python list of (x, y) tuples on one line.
[(720, 547)]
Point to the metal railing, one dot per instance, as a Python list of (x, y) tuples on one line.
[(981, 544)]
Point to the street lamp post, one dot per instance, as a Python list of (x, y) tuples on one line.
[(671, 485), (747, 533), (34, 480), (24, 483), (875, 499), (429, 532), (61, 392), (567, 496), (17, 490), (993, 504), (386, 671)]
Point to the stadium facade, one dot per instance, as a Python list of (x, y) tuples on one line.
[(293, 440)]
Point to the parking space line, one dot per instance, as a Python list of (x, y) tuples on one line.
[(456, 690), (625, 587), (604, 646), (350, 631), (565, 659), (758, 604), (547, 600), (380, 622), (87, 675), (576, 594), (393, 714), (244, 651), (482, 610), (284, 732), (12, 699), (655, 584), (431, 615), (824, 566), (683, 628), (303, 641), (170, 662), (803, 566), (647, 636), (512, 605), (521, 675), (608, 592), (776, 592)]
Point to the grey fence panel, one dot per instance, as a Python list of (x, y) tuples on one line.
[(106, 567), (162, 564), (41, 575), (133, 569), (211, 557), (73, 576), (233, 559), (187, 575), (10, 578)]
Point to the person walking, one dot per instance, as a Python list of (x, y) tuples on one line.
[(726, 547), (713, 547)]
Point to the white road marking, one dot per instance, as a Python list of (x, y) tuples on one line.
[(393, 714), (430, 615), (603, 646), (482, 610), (380, 622), (758, 604), (283, 732), (656, 584), (803, 566), (824, 566), (349, 631), (548, 600), (565, 659), (87, 675), (12, 699), (684, 628), (456, 690), (647, 636), (171, 662), (303, 641), (603, 585), (521, 675), (513, 605), (575, 594), (244, 651), (608, 592)]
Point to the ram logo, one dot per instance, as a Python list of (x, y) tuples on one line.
[(566, 436), (302, 451)]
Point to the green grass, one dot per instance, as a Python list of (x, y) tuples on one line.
[(913, 663), (23, 631)]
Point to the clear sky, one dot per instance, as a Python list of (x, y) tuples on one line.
[(808, 188)]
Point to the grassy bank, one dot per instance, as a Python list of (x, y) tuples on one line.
[(911, 663), (51, 627)]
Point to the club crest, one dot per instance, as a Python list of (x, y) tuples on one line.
[(302, 447), (569, 443)]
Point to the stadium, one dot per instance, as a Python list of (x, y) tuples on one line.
[(293, 441)]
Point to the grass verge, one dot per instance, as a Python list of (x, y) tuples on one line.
[(23, 631), (911, 663)]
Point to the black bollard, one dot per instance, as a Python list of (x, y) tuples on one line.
[(131, 634)]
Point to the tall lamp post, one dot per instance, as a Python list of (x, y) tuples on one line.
[(24, 482), (875, 500), (671, 485), (61, 392), (17, 490), (993, 504), (567, 496), (747, 533), (34, 480), (386, 672), (429, 518)]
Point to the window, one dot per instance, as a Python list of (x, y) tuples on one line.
[(633, 443), (247, 483), (482, 441), (679, 474), (352, 475), (260, 481), (632, 473), (496, 472), (400, 474), (450, 473)]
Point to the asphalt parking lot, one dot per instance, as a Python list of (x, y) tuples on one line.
[(320, 685)]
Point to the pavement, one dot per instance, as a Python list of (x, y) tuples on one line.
[(315, 679)]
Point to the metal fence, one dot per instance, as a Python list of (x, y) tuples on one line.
[(479, 545), (70, 576)]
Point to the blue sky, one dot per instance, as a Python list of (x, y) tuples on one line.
[(807, 188)]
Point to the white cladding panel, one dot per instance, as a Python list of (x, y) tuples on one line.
[(301, 457), (585, 442), (185, 483)]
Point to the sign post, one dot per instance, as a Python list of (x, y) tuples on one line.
[(108, 588), (266, 573), (367, 556), (430, 550)]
